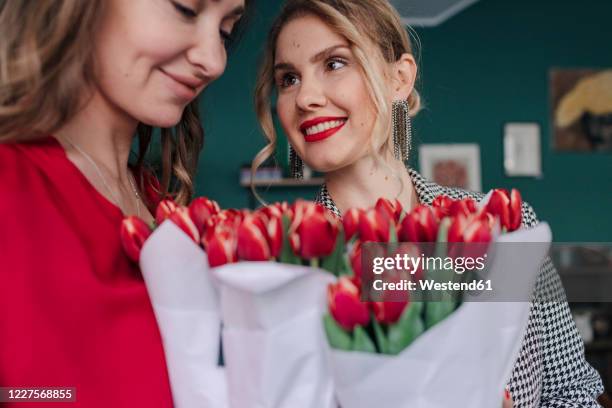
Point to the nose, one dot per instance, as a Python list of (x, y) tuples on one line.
[(310, 95), (208, 55)]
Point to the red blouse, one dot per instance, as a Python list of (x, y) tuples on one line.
[(74, 311)]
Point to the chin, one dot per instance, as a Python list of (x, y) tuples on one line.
[(325, 166), (165, 118), (326, 157)]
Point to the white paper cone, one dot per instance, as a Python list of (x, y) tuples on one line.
[(464, 361), (273, 338), (186, 307)]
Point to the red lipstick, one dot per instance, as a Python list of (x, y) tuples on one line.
[(318, 136)]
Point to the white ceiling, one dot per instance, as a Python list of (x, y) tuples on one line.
[(429, 13)]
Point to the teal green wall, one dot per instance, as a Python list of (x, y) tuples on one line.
[(484, 67)]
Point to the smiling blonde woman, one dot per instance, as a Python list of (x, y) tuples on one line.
[(338, 68)]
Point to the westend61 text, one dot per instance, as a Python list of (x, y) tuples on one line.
[(432, 285)]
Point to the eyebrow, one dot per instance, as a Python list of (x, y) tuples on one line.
[(315, 58)]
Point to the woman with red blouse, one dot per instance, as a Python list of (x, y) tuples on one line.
[(78, 81)]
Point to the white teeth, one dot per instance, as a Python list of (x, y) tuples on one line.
[(323, 126)]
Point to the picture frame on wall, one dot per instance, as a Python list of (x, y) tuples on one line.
[(522, 150), (451, 165), (581, 109)]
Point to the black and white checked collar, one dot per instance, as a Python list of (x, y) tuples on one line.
[(426, 191)]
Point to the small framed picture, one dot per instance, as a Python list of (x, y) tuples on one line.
[(581, 109), (451, 165), (522, 151)]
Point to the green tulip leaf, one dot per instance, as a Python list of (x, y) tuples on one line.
[(333, 262), (345, 266), (337, 337), (362, 341), (380, 337), (392, 233), (406, 330), (437, 311), (443, 230)]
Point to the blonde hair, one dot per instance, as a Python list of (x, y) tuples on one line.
[(376, 37), (46, 61)]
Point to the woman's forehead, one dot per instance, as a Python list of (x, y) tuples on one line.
[(304, 37)]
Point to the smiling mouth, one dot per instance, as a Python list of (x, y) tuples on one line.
[(180, 88), (320, 129)]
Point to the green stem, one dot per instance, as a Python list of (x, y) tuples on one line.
[(314, 262)]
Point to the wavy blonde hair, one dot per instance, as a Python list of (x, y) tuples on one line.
[(46, 61), (376, 37)]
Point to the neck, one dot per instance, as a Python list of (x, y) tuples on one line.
[(104, 132), (362, 183)]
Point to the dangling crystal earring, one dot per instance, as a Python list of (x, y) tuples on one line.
[(295, 164), (402, 130)]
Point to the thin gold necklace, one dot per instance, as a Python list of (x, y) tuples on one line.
[(106, 185)]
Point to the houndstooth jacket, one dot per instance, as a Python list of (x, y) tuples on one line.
[(551, 370)]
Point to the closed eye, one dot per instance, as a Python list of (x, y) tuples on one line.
[(226, 37), (184, 10)]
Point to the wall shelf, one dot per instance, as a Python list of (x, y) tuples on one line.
[(285, 182)]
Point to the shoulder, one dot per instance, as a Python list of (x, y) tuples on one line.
[(13, 166), (23, 169), (527, 212)]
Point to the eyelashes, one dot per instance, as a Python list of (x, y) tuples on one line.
[(335, 63), (184, 10), (289, 79), (191, 14)]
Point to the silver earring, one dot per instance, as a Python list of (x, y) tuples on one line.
[(296, 165), (402, 130)]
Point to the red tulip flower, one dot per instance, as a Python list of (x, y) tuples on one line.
[(313, 231), (471, 230), (388, 312), (420, 225), (274, 233), (164, 209), (350, 221), (345, 306), (374, 226), (134, 233), (221, 247), (181, 218), (274, 210), (506, 206), (442, 203), (201, 210), (272, 219), (252, 241), (465, 207), (393, 209), (355, 258), (218, 222)]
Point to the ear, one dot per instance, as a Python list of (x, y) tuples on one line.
[(404, 76)]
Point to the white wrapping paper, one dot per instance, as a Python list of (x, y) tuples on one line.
[(186, 307), (464, 361), (273, 338)]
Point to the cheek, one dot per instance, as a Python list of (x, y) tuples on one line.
[(287, 116)]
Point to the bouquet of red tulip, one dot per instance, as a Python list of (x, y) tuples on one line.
[(448, 347), (263, 274), (184, 297)]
